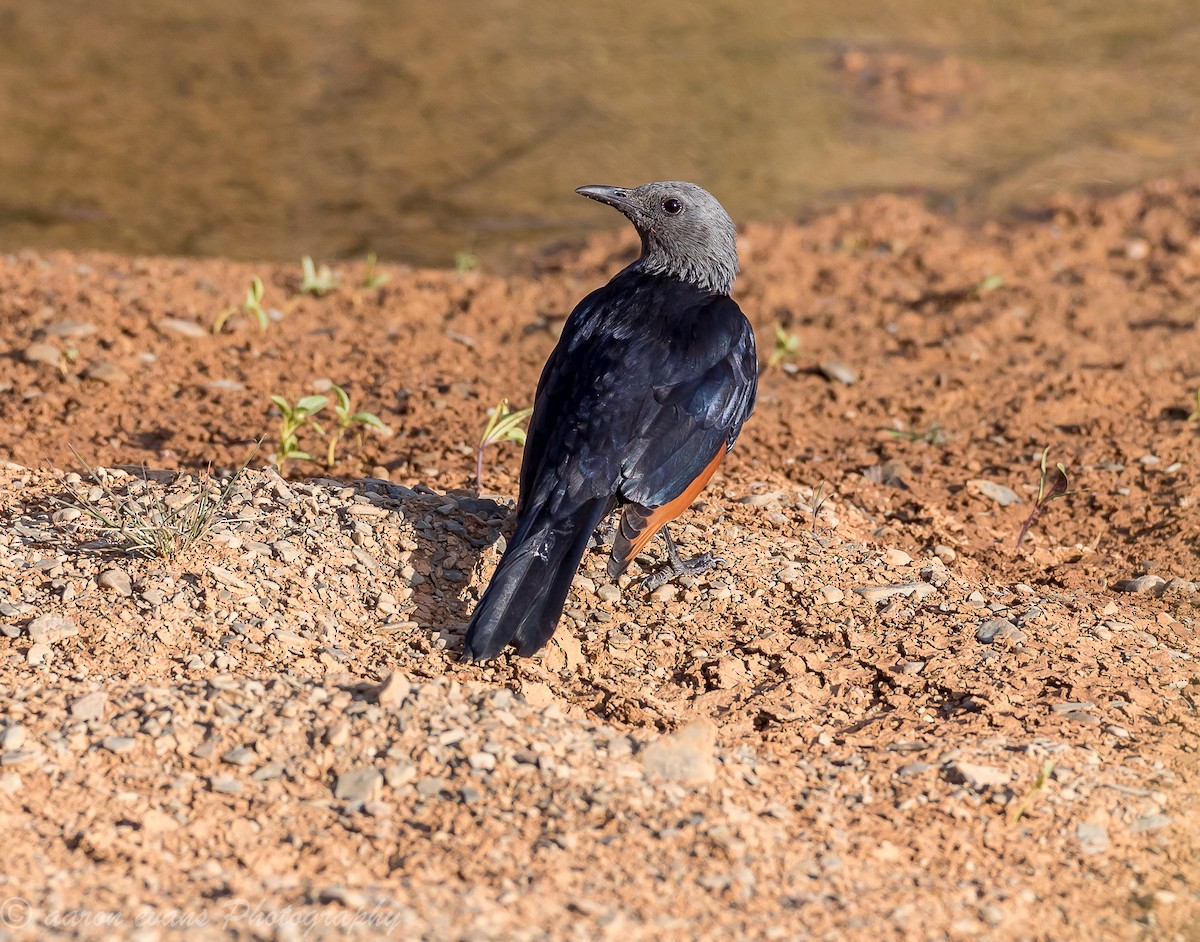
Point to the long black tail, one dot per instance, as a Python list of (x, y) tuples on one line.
[(524, 600)]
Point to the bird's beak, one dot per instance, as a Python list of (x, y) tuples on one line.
[(615, 196)]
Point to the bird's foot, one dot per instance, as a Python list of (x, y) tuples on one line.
[(604, 535), (675, 567)]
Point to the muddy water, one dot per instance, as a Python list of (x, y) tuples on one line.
[(273, 129)]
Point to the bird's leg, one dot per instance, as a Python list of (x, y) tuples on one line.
[(675, 566), (604, 535)]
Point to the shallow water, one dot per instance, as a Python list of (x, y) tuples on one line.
[(334, 127)]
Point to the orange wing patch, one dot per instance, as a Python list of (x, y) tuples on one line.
[(669, 511)]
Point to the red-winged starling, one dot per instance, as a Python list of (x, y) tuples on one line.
[(645, 393)]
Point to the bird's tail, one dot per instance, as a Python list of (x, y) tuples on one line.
[(524, 600)]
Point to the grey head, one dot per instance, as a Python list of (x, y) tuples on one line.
[(685, 232)]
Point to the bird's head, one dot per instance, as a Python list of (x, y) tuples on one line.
[(685, 232)]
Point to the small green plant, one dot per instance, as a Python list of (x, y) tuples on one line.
[(158, 523), (348, 419), (317, 281), (503, 425), (786, 347), (1195, 416), (251, 305), (1039, 783), (293, 420), (465, 261), (370, 277), (986, 287), (819, 498), (1052, 485), (934, 435)]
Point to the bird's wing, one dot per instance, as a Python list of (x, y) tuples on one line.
[(700, 396)]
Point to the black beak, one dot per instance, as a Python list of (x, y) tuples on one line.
[(615, 196)]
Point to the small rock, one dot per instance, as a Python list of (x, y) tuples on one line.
[(71, 329), (1004, 496), (1150, 822), (37, 654), (225, 784), (999, 629), (41, 353), (116, 580), (358, 785), (482, 760), (1145, 585), (880, 593), (895, 558), (90, 706), (13, 738), (945, 553), (337, 734), (269, 772), (665, 593), (391, 692), (177, 326), (108, 373), (51, 628), (831, 594), (238, 755), (1093, 838), (838, 372), (684, 756), (976, 776), (118, 744)]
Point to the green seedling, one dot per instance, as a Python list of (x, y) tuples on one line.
[(153, 522), (348, 419), (1039, 783), (251, 305), (786, 347), (371, 278), (293, 420), (986, 287), (1052, 485), (934, 435), (1195, 416), (819, 498), (465, 261), (503, 425), (317, 281)]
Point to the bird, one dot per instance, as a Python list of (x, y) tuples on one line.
[(649, 385)]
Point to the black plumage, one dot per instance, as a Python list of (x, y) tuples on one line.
[(647, 389)]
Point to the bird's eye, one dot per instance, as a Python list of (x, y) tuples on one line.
[(672, 206)]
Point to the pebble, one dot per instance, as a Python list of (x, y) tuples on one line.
[(225, 784), (13, 738), (38, 654), (116, 580), (238, 755), (831, 594), (1150, 822), (358, 785), (945, 553), (684, 756), (391, 692), (999, 629), (178, 326), (1145, 585), (118, 744), (976, 776), (51, 628), (609, 593), (70, 329), (1004, 496), (42, 353), (838, 372), (90, 706), (108, 373), (482, 760), (880, 593), (1093, 838), (895, 558)]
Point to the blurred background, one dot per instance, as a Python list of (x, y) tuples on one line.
[(277, 128)]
